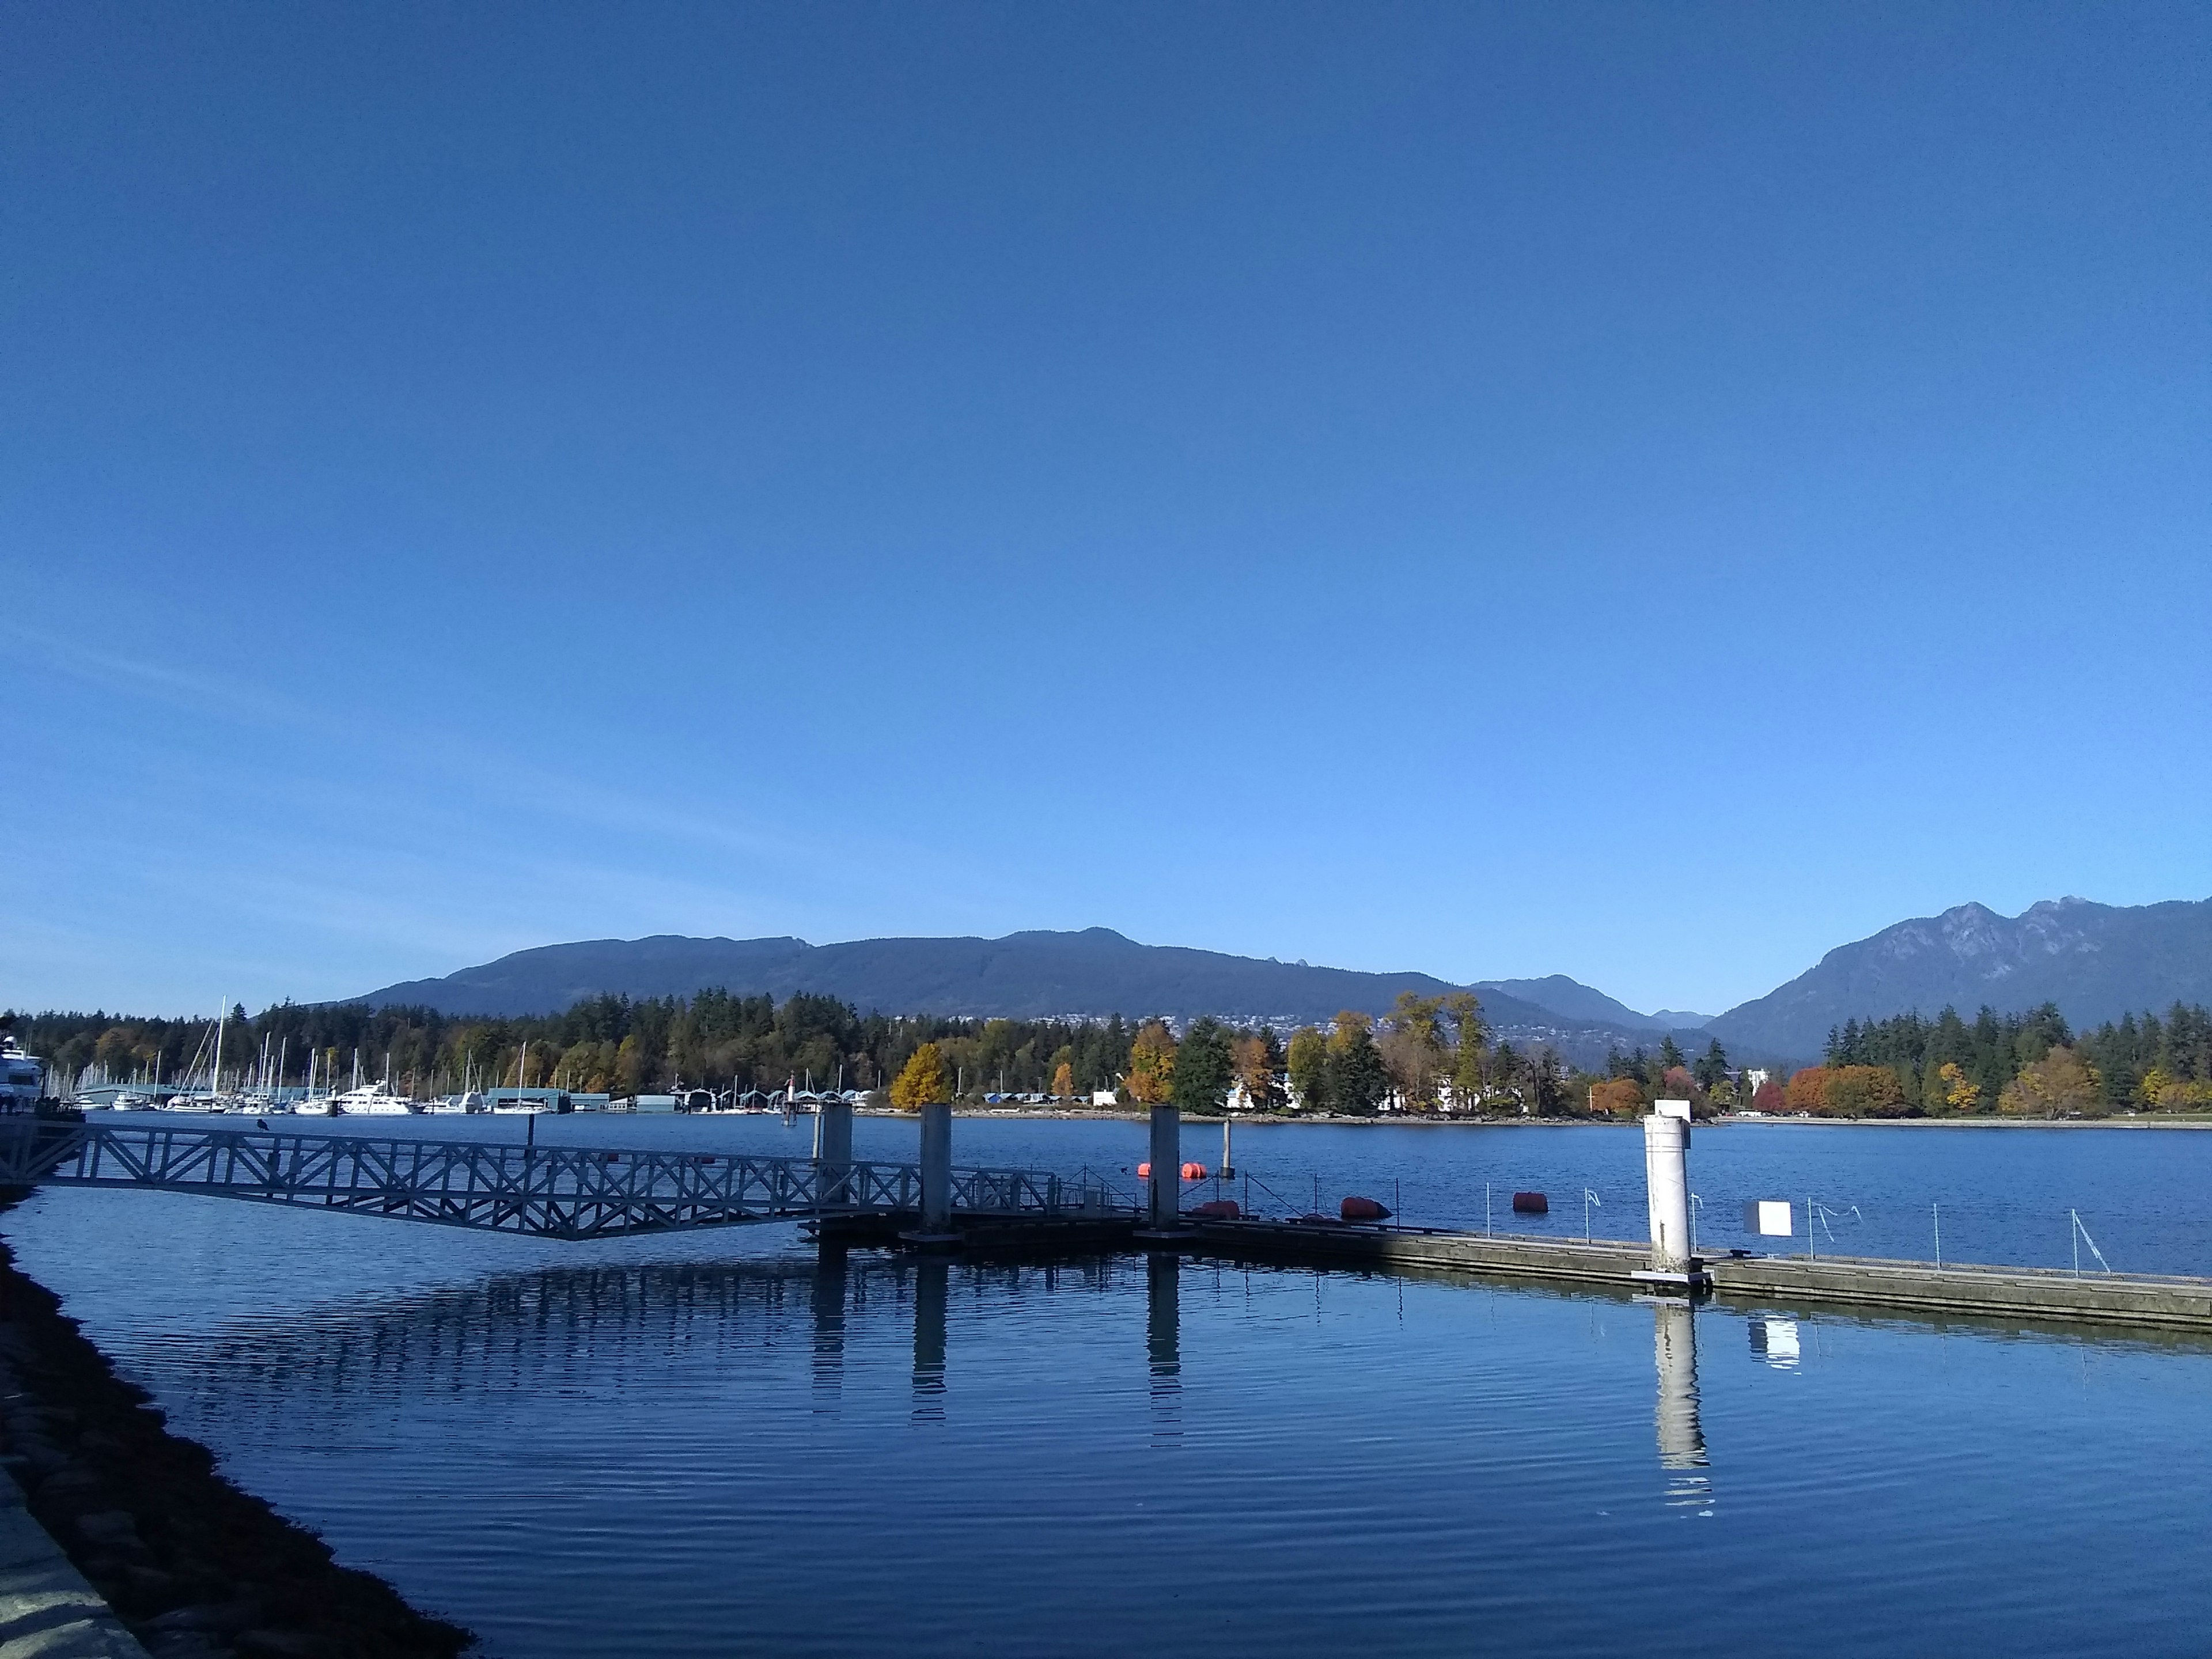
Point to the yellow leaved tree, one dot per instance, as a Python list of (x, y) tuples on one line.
[(1152, 1064), (2060, 1083), (1960, 1092), (922, 1082)]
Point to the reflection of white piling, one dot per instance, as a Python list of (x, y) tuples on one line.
[(1667, 1183), (1674, 1350), (937, 1167)]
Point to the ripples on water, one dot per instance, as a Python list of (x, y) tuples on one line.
[(715, 1443)]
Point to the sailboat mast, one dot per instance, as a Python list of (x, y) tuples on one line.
[(221, 1017)]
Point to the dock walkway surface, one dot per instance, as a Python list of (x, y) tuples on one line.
[(47, 1610), (2127, 1299)]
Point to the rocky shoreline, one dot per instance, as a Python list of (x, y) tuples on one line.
[(196, 1567)]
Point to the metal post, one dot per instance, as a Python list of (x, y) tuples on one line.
[(1936, 1211), (1167, 1165), (937, 1166), (1811, 1253), (1486, 1209), (2074, 1236)]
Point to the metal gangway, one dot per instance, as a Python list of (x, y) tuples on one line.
[(553, 1192)]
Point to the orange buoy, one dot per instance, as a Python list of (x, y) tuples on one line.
[(1217, 1209), (1362, 1209), (1144, 1172), (1193, 1172)]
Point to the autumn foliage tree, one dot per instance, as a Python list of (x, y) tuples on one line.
[(1063, 1080), (1953, 1090), (922, 1082), (1152, 1064), (1863, 1092), (1413, 1048), (1619, 1096), (1808, 1091), (1258, 1059), (2060, 1083)]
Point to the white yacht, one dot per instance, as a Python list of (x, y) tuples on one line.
[(469, 1100), (23, 1078), (368, 1100)]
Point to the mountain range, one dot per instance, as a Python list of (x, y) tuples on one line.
[(2096, 962), (1027, 975)]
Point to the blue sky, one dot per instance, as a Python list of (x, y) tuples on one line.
[(1649, 493)]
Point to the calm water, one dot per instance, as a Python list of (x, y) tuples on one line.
[(721, 1444), (2144, 1195)]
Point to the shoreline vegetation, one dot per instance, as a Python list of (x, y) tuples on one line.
[(1428, 1057), (194, 1565)]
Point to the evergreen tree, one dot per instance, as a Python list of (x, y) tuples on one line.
[(1357, 1081), (1204, 1068)]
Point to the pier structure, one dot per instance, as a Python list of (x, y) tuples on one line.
[(577, 1192), (555, 1192)]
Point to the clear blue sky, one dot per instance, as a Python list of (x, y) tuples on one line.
[(1645, 492)]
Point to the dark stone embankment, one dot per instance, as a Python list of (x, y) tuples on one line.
[(192, 1565)]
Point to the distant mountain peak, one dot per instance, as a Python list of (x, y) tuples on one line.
[(2095, 961)]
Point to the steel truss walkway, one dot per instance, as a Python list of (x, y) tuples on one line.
[(555, 1192)]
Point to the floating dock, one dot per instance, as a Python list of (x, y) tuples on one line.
[(2129, 1299)]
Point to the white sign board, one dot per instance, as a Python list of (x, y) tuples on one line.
[(1767, 1217), (1672, 1109)]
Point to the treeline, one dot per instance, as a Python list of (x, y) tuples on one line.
[(1427, 1054), (2027, 1064), (607, 1044)]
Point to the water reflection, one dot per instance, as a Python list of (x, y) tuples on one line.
[(931, 1284), (1681, 1435), (1774, 1339), (833, 1277), (1164, 1342)]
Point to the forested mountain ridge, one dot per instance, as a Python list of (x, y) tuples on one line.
[(2093, 961), (1026, 975)]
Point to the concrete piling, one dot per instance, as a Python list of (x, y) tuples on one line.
[(1667, 1186), (937, 1167), (833, 1150), (1166, 1205)]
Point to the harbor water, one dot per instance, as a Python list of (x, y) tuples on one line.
[(723, 1442)]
